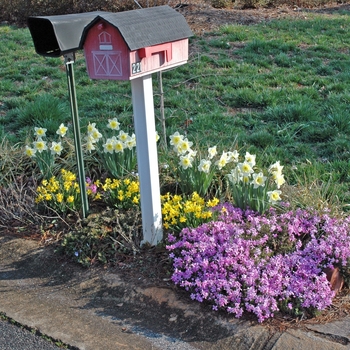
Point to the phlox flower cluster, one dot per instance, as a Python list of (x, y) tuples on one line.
[(179, 211), (194, 171), (247, 262), (44, 152), (250, 188), (61, 193), (116, 148)]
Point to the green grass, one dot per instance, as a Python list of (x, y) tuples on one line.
[(279, 89)]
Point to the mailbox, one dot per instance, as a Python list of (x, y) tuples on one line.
[(132, 44)]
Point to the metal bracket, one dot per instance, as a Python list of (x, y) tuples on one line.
[(69, 58)]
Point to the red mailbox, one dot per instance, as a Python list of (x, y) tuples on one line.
[(132, 44)]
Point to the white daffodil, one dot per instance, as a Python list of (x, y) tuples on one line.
[(56, 148), (123, 136), (40, 145), (258, 180), (62, 130), (95, 134), (108, 147), (192, 154), (222, 161), (235, 176), (212, 152), (130, 143), (250, 158), (232, 156), (113, 124), (204, 165), (90, 146), (40, 132), (246, 168), (184, 146), (276, 168), (119, 146), (176, 138), (91, 128), (274, 196), (186, 162), (279, 179), (29, 151)]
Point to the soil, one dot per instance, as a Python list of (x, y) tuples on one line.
[(203, 18), (151, 268)]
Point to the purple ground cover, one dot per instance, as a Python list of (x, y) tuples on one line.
[(245, 261)]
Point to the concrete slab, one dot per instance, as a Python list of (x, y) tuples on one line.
[(98, 309)]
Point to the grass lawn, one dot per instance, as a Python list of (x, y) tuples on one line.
[(278, 89)]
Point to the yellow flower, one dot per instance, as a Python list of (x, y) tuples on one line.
[(213, 202), (59, 197), (70, 199), (98, 196)]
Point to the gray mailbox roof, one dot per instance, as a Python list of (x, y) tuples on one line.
[(146, 27)]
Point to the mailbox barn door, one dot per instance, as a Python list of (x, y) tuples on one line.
[(106, 53)]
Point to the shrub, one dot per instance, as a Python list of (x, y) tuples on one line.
[(17, 11)]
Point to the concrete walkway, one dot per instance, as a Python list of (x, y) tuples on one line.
[(95, 309)]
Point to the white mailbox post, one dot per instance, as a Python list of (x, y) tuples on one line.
[(132, 45)]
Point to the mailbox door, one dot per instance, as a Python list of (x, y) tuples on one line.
[(106, 53)]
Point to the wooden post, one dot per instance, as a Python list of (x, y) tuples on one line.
[(147, 159)]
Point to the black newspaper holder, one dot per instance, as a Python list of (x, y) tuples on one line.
[(54, 36)]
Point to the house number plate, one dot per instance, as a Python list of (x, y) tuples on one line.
[(136, 67)]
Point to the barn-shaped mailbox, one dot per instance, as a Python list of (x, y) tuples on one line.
[(132, 44)]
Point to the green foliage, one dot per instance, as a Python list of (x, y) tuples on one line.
[(101, 237), (45, 111)]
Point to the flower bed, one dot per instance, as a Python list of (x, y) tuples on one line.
[(262, 264)]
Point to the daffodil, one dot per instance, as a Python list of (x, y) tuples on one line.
[(118, 146), (246, 168), (40, 145), (258, 180), (62, 130), (274, 196), (40, 132), (184, 146), (204, 166), (250, 158), (176, 138), (91, 127), (212, 152), (29, 151), (113, 124), (222, 161), (123, 136), (108, 146), (186, 162), (56, 148)]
